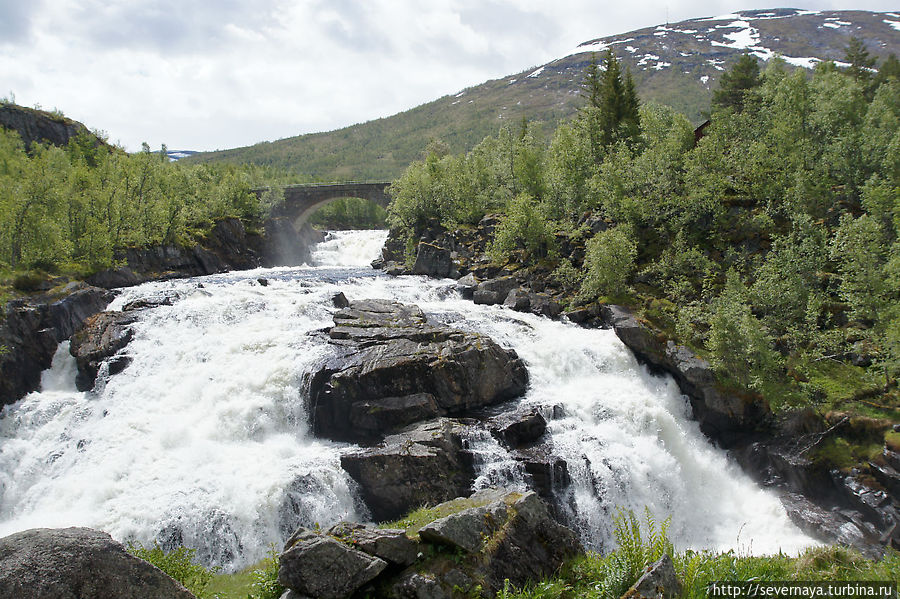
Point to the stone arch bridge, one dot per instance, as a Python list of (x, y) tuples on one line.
[(301, 201)]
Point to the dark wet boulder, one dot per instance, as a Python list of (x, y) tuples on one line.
[(433, 261), (422, 465), (724, 416), (339, 300), (494, 291), (111, 278), (518, 428), (467, 285), (102, 337), (323, 567), (391, 368), (31, 333), (78, 563), (518, 300)]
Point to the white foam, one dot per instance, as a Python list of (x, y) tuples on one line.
[(204, 437)]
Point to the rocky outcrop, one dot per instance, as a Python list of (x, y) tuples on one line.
[(434, 261), (518, 428), (38, 126), (228, 246), (499, 531), (101, 338), (391, 368), (389, 544), (725, 417), (78, 563), (484, 540), (32, 331), (423, 465), (849, 507)]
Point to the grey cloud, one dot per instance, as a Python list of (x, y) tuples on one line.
[(15, 19), (163, 25), (359, 29)]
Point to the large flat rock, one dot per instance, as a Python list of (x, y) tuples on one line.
[(391, 368)]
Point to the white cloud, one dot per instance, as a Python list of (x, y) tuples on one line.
[(206, 75)]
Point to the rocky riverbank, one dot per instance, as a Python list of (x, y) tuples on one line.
[(34, 325), (858, 506)]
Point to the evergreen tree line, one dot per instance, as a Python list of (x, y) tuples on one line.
[(71, 208), (767, 242)]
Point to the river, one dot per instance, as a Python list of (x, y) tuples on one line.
[(204, 440)]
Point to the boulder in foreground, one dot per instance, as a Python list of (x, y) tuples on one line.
[(472, 546), (78, 563)]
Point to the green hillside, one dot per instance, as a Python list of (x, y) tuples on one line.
[(674, 64)]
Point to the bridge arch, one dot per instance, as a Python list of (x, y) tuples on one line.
[(301, 201)]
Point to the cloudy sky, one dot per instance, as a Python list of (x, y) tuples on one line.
[(202, 75)]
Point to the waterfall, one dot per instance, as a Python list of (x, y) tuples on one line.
[(204, 439)]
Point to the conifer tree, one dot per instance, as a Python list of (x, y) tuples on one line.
[(631, 117), (611, 114), (735, 83), (890, 67), (590, 87), (861, 63), (612, 100)]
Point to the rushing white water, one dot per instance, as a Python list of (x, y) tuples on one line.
[(349, 248), (203, 439)]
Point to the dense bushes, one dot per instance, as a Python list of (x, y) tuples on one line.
[(77, 205), (770, 238)]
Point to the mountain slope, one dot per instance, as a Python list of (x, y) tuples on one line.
[(675, 64)]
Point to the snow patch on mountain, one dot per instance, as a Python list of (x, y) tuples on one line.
[(806, 63)]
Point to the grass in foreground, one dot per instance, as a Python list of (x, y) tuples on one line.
[(588, 576)]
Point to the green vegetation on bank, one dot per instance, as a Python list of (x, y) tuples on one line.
[(769, 245), (639, 543), (179, 564), (259, 581), (73, 207), (595, 576)]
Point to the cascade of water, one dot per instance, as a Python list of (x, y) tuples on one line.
[(204, 440), (349, 248)]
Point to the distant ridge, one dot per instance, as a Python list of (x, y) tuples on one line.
[(675, 64)]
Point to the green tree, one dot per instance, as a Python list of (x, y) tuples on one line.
[(739, 345), (612, 111), (609, 261), (889, 68), (736, 83), (861, 64), (523, 229)]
